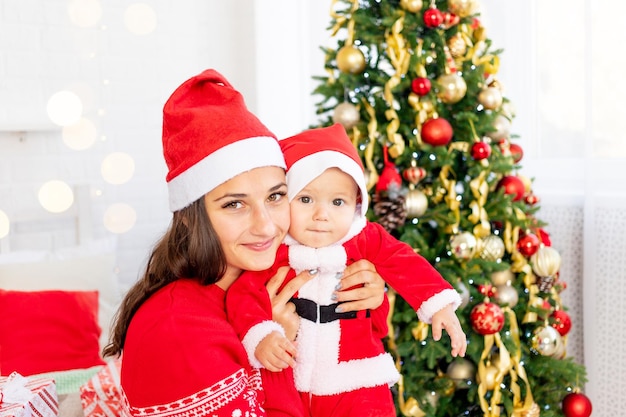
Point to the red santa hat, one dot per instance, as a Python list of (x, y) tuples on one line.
[(210, 136), (310, 153)]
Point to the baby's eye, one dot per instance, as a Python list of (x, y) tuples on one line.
[(305, 199), (338, 202)]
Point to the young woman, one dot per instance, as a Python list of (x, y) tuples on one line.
[(227, 189)]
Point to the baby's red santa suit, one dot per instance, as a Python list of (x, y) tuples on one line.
[(342, 352)]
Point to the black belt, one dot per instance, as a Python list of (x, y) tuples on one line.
[(307, 309)]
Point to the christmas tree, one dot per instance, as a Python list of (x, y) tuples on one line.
[(415, 86)]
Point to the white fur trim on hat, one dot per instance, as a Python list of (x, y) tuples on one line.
[(222, 165), (312, 166)]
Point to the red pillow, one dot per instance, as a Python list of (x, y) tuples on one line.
[(47, 331)]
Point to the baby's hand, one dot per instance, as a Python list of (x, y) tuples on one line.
[(446, 319), (275, 352)]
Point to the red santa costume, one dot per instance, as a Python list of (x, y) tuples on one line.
[(341, 367), (181, 357)]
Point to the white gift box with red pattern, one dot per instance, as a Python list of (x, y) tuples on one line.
[(24, 397)]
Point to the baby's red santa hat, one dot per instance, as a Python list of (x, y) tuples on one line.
[(310, 153), (210, 136)]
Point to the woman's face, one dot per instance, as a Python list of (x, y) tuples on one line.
[(250, 214)]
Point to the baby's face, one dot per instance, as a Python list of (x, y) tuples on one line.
[(323, 211)]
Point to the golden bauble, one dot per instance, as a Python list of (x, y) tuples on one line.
[(415, 203), (545, 340), (462, 372), (489, 377), (350, 60), (412, 6), (502, 127), (492, 248), (502, 277), (462, 8), (457, 46), (546, 262), (346, 114), (451, 88), (490, 98), (506, 295), (463, 245)]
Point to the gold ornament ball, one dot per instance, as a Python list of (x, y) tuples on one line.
[(432, 398), (546, 262), (490, 98), (416, 203), (489, 377), (346, 114), (527, 183), (502, 127), (561, 351), (461, 371), (463, 245), (462, 8), (545, 340), (499, 278), (457, 46), (412, 6), (350, 60), (507, 295), (492, 248), (451, 88)]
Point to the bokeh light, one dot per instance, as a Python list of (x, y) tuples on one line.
[(56, 196), (119, 218), (84, 13), (64, 108), (140, 19), (5, 224), (117, 168), (81, 135)]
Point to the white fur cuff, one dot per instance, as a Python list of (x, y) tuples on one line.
[(254, 337)]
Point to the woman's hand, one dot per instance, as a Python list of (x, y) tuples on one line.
[(369, 291), (284, 312)]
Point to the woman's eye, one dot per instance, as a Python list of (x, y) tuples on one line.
[(233, 205), (277, 196)]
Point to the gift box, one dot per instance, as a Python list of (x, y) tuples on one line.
[(23, 397), (101, 395)]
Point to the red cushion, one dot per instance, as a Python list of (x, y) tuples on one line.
[(46, 331)]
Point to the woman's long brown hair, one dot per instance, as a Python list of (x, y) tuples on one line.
[(189, 249)]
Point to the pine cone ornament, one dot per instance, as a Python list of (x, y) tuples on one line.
[(545, 283), (390, 212)]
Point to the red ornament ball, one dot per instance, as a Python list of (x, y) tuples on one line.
[(561, 321), (513, 185), (437, 132), (531, 199), (421, 86), (516, 152), (543, 236), (576, 405), (433, 18), (487, 318), (528, 244), (481, 150)]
